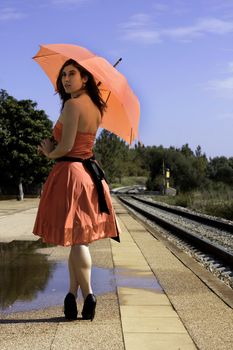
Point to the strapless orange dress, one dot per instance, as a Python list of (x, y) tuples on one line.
[(68, 211)]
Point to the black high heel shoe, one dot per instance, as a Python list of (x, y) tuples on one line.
[(70, 307), (88, 311)]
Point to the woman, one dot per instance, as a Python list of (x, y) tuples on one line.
[(75, 208)]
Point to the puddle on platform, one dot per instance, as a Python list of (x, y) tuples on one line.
[(131, 278), (29, 281)]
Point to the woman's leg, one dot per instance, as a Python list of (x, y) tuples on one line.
[(70, 306), (80, 264), (74, 285)]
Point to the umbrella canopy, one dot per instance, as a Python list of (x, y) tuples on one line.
[(123, 110)]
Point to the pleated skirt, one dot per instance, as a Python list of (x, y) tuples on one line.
[(68, 211)]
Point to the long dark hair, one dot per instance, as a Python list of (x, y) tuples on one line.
[(90, 86)]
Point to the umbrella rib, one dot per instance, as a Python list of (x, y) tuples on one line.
[(48, 55), (108, 97)]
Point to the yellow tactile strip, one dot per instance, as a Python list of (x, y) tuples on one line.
[(148, 319)]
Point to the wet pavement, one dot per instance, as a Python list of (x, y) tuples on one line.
[(131, 278), (51, 291), (32, 281), (24, 274), (133, 312)]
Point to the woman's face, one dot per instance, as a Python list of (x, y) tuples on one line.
[(72, 80)]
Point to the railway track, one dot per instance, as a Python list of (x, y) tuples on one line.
[(204, 219), (211, 239)]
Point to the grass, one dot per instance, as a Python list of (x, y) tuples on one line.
[(215, 203)]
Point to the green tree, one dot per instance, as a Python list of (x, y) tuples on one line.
[(186, 151), (220, 169), (22, 127), (198, 151), (155, 157), (138, 162), (200, 164), (187, 171), (112, 154), (230, 162)]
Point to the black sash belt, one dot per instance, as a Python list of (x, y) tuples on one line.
[(97, 175)]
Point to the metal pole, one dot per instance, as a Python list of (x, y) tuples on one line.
[(164, 179), (115, 64)]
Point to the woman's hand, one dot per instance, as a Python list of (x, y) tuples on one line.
[(46, 147)]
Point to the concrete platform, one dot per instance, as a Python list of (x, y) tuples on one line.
[(148, 319), (133, 310)]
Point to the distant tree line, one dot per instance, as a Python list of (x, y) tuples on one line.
[(23, 126), (189, 170)]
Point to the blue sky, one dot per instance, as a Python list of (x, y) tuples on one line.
[(177, 56)]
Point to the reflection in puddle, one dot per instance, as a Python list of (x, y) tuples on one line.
[(23, 272), (131, 278), (29, 281)]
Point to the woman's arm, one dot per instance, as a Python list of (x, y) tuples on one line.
[(70, 121)]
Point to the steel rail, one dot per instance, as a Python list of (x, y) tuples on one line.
[(196, 217), (203, 244)]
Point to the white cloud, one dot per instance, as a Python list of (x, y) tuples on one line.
[(141, 26), (145, 36), (230, 66), (137, 20), (215, 26), (187, 33), (10, 13), (225, 116), (221, 87), (201, 27), (160, 7), (177, 7), (224, 84), (138, 29)]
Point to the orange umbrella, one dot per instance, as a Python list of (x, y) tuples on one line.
[(123, 110)]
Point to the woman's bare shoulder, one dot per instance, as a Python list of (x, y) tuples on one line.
[(71, 106), (79, 103), (71, 112), (72, 103)]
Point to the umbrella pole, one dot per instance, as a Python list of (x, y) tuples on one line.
[(115, 64), (131, 135)]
